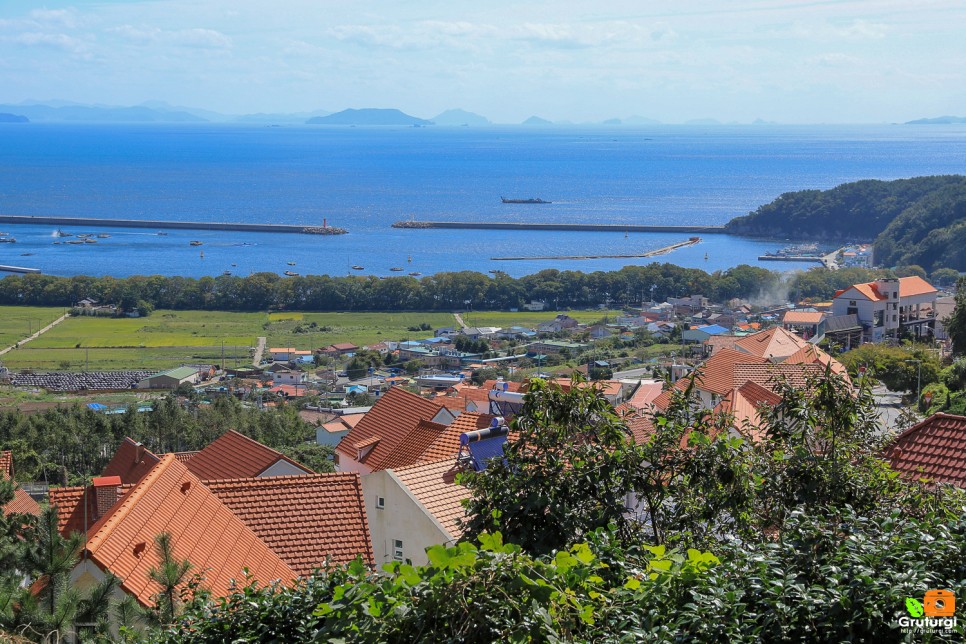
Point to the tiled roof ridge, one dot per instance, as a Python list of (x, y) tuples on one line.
[(282, 478), (924, 424), (101, 530)]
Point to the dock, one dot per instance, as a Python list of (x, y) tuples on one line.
[(651, 253), (91, 222), (17, 269), (609, 228)]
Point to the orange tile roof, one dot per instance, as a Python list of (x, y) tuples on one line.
[(718, 342), (434, 486), (131, 461), (645, 394), (184, 457), (717, 375), (389, 421), (743, 404), (802, 317), (305, 520), (606, 387), (776, 342), (511, 385), (72, 516), (769, 375), (933, 449), (204, 531), (233, 456), (6, 465), (410, 450), (21, 503), (914, 285), (814, 355), (641, 428)]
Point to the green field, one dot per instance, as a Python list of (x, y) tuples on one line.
[(530, 318), (169, 338), (18, 322)]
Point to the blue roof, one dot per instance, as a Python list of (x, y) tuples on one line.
[(96, 406), (712, 329), (483, 450)]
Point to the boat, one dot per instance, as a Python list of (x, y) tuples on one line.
[(26, 254), (75, 241), (61, 233), (356, 267), (83, 235), (396, 269), (227, 273), (7, 240), (233, 264), (415, 274), (291, 263), (88, 240), (103, 236), (194, 243), (202, 254), (531, 200), (162, 234), (291, 274), (3, 234)]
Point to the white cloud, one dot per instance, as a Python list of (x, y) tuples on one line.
[(202, 38), (50, 40)]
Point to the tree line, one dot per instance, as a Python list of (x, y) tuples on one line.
[(628, 286)]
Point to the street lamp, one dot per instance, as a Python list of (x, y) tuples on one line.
[(918, 379)]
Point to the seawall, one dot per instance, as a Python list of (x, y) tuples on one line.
[(506, 225), (160, 225)]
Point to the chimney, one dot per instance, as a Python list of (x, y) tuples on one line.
[(107, 490), (138, 453)]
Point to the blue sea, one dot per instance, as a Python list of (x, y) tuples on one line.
[(364, 179)]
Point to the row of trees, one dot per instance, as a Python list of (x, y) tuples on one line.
[(70, 443), (442, 291), (805, 535)]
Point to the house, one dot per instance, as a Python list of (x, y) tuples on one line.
[(535, 305), (21, 503), (933, 450), (890, 305), (170, 379), (775, 344), (807, 324), (338, 349), (702, 333), (123, 523), (288, 377), (412, 508), (561, 322), (556, 346), (844, 331), (944, 309), (332, 432), (281, 354), (233, 455)]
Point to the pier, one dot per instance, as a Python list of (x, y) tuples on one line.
[(90, 222), (17, 269), (651, 253), (609, 228)]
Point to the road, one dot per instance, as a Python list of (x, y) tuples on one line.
[(259, 350), (459, 320), (35, 335)]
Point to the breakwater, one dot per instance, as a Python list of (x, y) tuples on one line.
[(18, 269), (651, 253), (509, 225), (91, 222)]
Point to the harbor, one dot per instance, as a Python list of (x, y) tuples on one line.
[(17, 269), (651, 253), (90, 222), (511, 225)]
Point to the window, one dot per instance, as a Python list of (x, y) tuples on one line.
[(851, 302), (380, 502), (397, 549)]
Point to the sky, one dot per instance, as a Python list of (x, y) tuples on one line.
[(731, 60)]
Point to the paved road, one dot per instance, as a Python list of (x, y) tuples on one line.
[(890, 407), (459, 320), (35, 335), (259, 350)]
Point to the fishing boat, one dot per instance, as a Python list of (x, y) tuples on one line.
[(61, 233), (356, 267), (415, 274), (291, 274), (7, 240), (227, 273), (88, 240), (103, 236), (291, 263), (194, 243), (527, 201), (396, 269)]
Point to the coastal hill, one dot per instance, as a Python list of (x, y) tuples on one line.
[(460, 117), (40, 113), (13, 118), (911, 221), (368, 116), (939, 120), (536, 120)]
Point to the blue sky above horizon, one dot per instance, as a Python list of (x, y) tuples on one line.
[(792, 62)]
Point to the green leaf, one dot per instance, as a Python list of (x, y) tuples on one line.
[(914, 606), (632, 583)]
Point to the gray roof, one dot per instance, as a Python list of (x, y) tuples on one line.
[(842, 323)]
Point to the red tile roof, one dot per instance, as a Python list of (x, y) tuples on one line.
[(743, 404), (131, 462), (447, 444), (934, 450), (914, 285), (204, 531), (72, 516), (389, 421), (305, 520), (813, 355), (234, 456), (434, 486), (802, 317), (776, 342), (21, 503), (641, 428), (410, 450), (717, 375), (645, 393), (770, 375)]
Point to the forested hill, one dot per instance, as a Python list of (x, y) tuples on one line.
[(912, 221)]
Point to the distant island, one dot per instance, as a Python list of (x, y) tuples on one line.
[(939, 120), (460, 117), (920, 221), (536, 120), (13, 118), (368, 116)]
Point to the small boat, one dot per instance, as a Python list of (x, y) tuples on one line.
[(90, 241), (7, 240), (58, 243), (291, 274), (76, 241), (291, 263), (194, 243), (410, 260), (26, 254), (162, 234), (233, 264), (103, 236), (227, 272), (61, 233), (356, 267), (3, 234), (415, 274), (202, 254), (396, 269), (83, 235), (530, 200)]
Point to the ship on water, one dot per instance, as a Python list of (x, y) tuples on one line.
[(531, 200)]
